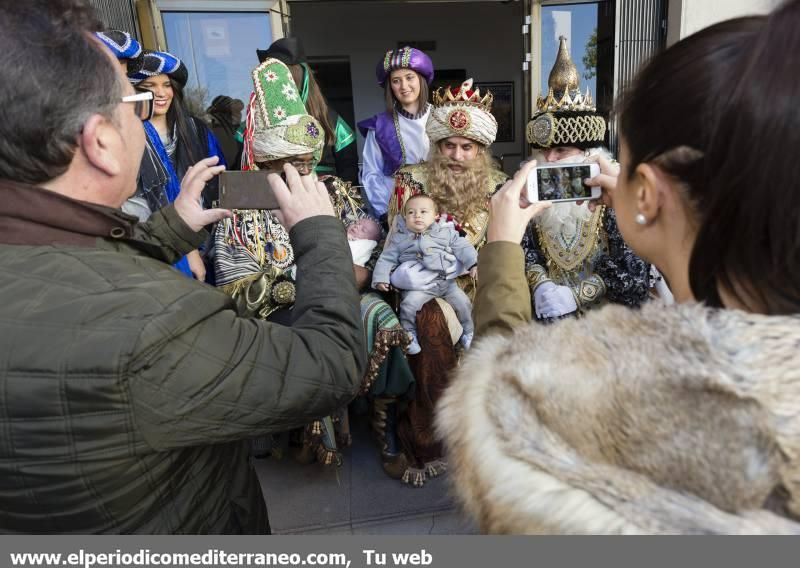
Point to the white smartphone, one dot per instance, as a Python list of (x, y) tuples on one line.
[(562, 182)]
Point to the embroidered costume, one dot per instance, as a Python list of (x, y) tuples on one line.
[(254, 260), (463, 112), (437, 324), (569, 245), (397, 138)]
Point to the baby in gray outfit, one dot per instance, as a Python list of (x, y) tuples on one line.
[(417, 237)]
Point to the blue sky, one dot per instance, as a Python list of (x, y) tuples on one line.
[(582, 21)]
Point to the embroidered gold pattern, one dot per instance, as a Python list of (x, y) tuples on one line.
[(568, 259)]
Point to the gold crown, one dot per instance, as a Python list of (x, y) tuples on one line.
[(464, 95), (563, 93)]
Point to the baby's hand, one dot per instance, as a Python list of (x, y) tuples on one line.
[(473, 272), (382, 286)]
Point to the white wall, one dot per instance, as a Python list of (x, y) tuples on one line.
[(483, 38), (688, 16)]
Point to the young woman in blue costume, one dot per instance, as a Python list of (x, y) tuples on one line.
[(178, 138)]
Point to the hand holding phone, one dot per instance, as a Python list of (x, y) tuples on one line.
[(510, 211), (299, 197), (562, 182), (188, 204)]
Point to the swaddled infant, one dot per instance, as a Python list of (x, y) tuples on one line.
[(363, 236)]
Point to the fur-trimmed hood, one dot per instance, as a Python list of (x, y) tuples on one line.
[(668, 419)]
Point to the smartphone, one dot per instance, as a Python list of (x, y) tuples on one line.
[(246, 190), (562, 182)]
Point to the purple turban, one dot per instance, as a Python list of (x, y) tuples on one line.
[(404, 58)]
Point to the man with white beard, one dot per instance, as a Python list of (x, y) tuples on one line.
[(575, 258)]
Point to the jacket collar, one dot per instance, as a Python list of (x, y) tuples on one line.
[(31, 215)]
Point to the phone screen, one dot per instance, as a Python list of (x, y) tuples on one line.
[(563, 183), (246, 190)]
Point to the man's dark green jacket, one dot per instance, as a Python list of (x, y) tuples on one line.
[(128, 391)]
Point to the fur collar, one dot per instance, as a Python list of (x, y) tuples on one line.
[(669, 419)]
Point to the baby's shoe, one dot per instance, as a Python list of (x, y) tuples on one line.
[(466, 340), (413, 347)]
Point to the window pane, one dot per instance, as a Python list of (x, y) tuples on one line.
[(578, 23), (219, 48)]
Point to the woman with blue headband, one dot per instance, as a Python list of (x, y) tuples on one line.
[(180, 140)]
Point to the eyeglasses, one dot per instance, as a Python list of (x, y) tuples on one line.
[(301, 166), (304, 167), (143, 104)]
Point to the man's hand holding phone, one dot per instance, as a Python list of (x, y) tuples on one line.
[(188, 204), (299, 197)]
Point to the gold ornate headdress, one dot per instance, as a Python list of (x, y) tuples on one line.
[(462, 111), (463, 94), (565, 117)]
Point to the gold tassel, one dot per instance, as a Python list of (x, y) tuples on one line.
[(328, 457), (435, 468), (414, 477)]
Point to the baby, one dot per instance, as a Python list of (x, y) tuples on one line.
[(418, 237), (363, 236)]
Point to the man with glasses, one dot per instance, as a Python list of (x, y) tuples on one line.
[(127, 391)]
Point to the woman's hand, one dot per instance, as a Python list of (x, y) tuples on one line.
[(606, 179), (382, 286), (196, 265), (510, 211)]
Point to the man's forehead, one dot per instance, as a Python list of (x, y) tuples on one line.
[(459, 141)]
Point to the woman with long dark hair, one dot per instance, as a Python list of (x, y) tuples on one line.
[(666, 419), (179, 139), (396, 137)]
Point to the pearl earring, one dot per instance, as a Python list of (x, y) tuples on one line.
[(641, 219)]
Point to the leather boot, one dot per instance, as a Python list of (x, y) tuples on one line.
[(384, 424)]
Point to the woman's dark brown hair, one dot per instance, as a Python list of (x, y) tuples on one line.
[(192, 144), (316, 105), (717, 112), (391, 102)]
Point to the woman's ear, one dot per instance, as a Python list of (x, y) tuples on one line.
[(650, 189)]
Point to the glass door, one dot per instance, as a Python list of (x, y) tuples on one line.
[(578, 24), (588, 29), (219, 48)]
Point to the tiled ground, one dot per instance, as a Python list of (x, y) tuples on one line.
[(357, 498)]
